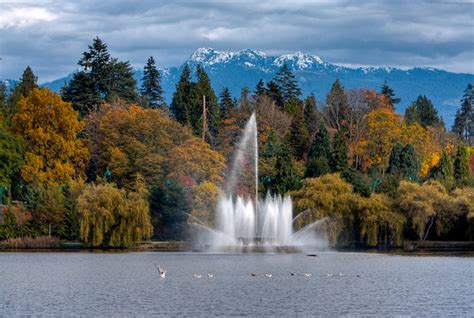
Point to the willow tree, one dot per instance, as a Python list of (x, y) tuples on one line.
[(112, 217)]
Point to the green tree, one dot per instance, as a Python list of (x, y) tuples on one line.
[(404, 162), (170, 206), (339, 152), (286, 82), (462, 173), (389, 93), (464, 120), (286, 178), (10, 156), (204, 88), (28, 82), (260, 88), (299, 137), (3, 98), (226, 103), (275, 93), (121, 83), (336, 111), (183, 97), (423, 112), (151, 90), (96, 61), (443, 171), (320, 154), (82, 93)]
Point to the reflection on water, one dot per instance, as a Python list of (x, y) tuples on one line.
[(107, 284)]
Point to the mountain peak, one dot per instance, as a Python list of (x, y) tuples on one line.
[(299, 60)]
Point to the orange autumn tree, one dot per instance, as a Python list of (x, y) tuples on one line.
[(49, 129), (383, 129)]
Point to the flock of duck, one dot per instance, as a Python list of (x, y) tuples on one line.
[(162, 273)]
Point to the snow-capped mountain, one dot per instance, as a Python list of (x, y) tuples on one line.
[(236, 70)]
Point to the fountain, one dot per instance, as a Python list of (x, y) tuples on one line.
[(244, 223)]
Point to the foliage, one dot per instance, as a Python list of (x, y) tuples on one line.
[(151, 91), (286, 82), (336, 111), (114, 217), (389, 93), (299, 137), (339, 152), (320, 154), (49, 131), (226, 103), (423, 112), (462, 172), (464, 120), (10, 156), (204, 202)]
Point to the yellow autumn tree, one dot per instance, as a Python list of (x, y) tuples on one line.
[(49, 128), (195, 159), (204, 202), (383, 129)]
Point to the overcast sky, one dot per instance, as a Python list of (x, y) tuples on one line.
[(51, 35)]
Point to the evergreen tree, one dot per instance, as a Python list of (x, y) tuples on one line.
[(404, 162), (339, 152), (410, 165), (226, 103), (299, 137), (151, 90), (311, 114), (204, 88), (388, 92), (461, 166), (423, 112), (260, 88), (81, 92), (286, 82), (3, 98), (443, 171), (337, 108), (286, 178), (121, 82), (274, 92), (96, 62), (319, 156), (183, 97), (464, 120), (28, 82)]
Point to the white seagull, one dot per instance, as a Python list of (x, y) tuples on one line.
[(197, 275), (268, 275), (210, 275), (160, 270), (307, 274)]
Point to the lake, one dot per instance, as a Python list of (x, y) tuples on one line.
[(128, 284)]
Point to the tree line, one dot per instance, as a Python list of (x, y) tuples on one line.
[(110, 165)]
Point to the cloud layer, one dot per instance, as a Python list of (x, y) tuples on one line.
[(51, 35)]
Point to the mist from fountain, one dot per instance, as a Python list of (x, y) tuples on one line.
[(245, 221)]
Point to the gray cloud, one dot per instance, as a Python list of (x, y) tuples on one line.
[(51, 35)]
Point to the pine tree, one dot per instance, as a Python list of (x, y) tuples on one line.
[(183, 97), (336, 111), (151, 90), (395, 161), (226, 103), (299, 137), (81, 92), (96, 62), (274, 92), (339, 152), (28, 82), (461, 166), (286, 82), (260, 88), (3, 98), (285, 179), (204, 88), (423, 112), (464, 120), (121, 83), (389, 93), (443, 171), (410, 165), (319, 156)]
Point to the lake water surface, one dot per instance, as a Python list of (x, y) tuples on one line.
[(127, 284)]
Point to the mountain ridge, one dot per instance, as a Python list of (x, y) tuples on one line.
[(237, 69)]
